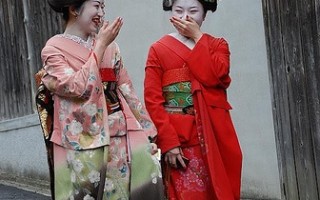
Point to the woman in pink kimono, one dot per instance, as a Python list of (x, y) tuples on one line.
[(100, 136)]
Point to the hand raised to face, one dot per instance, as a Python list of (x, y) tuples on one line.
[(108, 32), (188, 28)]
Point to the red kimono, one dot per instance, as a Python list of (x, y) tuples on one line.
[(208, 137)]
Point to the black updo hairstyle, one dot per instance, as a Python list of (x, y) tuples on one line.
[(62, 6), (207, 5)]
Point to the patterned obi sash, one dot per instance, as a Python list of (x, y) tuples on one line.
[(177, 91), (109, 81)]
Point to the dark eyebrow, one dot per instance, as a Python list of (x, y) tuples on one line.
[(193, 7)]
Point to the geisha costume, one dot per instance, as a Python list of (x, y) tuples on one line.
[(98, 138), (185, 94)]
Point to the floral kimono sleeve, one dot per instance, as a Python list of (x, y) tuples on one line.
[(136, 106), (63, 80)]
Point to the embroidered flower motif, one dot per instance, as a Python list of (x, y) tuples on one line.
[(62, 116), (73, 177), (94, 176), (125, 88), (77, 166), (123, 153), (91, 109), (92, 77), (70, 156), (108, 186), (65, 105), (146, 124), (68, 71), (94, 128), (123, 169), (154, 178), (111, 122), (88, 197), (117, 140), (89, 153), (75, 127)]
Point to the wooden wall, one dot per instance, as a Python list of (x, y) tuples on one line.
[(293, 40), (25, 25)]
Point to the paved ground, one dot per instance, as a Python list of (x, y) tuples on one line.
[(10, 192)]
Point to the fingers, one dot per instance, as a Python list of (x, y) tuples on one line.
[(117, 23), (184, 27), (174, 158), (105, 25), (173, 161), (171, 157), (179, 157), (114, 27), (178, 23), (109, 31), (188, 27)]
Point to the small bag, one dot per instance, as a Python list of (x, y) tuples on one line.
[(44, 103)]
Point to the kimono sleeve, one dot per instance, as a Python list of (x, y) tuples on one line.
[(137, 108), (63, 80), (209, 62), (167, 136)]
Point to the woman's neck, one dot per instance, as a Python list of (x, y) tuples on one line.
[(72, 29), (186, 41)]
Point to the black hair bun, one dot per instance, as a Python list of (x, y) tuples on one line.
[(209, 4), (62, 5), (57, 5)]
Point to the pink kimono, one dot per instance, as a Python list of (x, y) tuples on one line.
[(96, 106)]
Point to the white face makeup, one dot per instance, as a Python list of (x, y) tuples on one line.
[(192, 8), (90, 15)]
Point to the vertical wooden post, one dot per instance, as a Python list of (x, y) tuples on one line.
[(30, 48), (292, 31)]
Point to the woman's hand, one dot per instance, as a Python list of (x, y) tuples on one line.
[(153, 148), (173, 156), (188, 28), (109, 32), (106, 35)]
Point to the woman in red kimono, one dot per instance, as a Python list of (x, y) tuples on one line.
[(187, 74)]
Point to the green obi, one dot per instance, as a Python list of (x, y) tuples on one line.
[(178, 95)]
